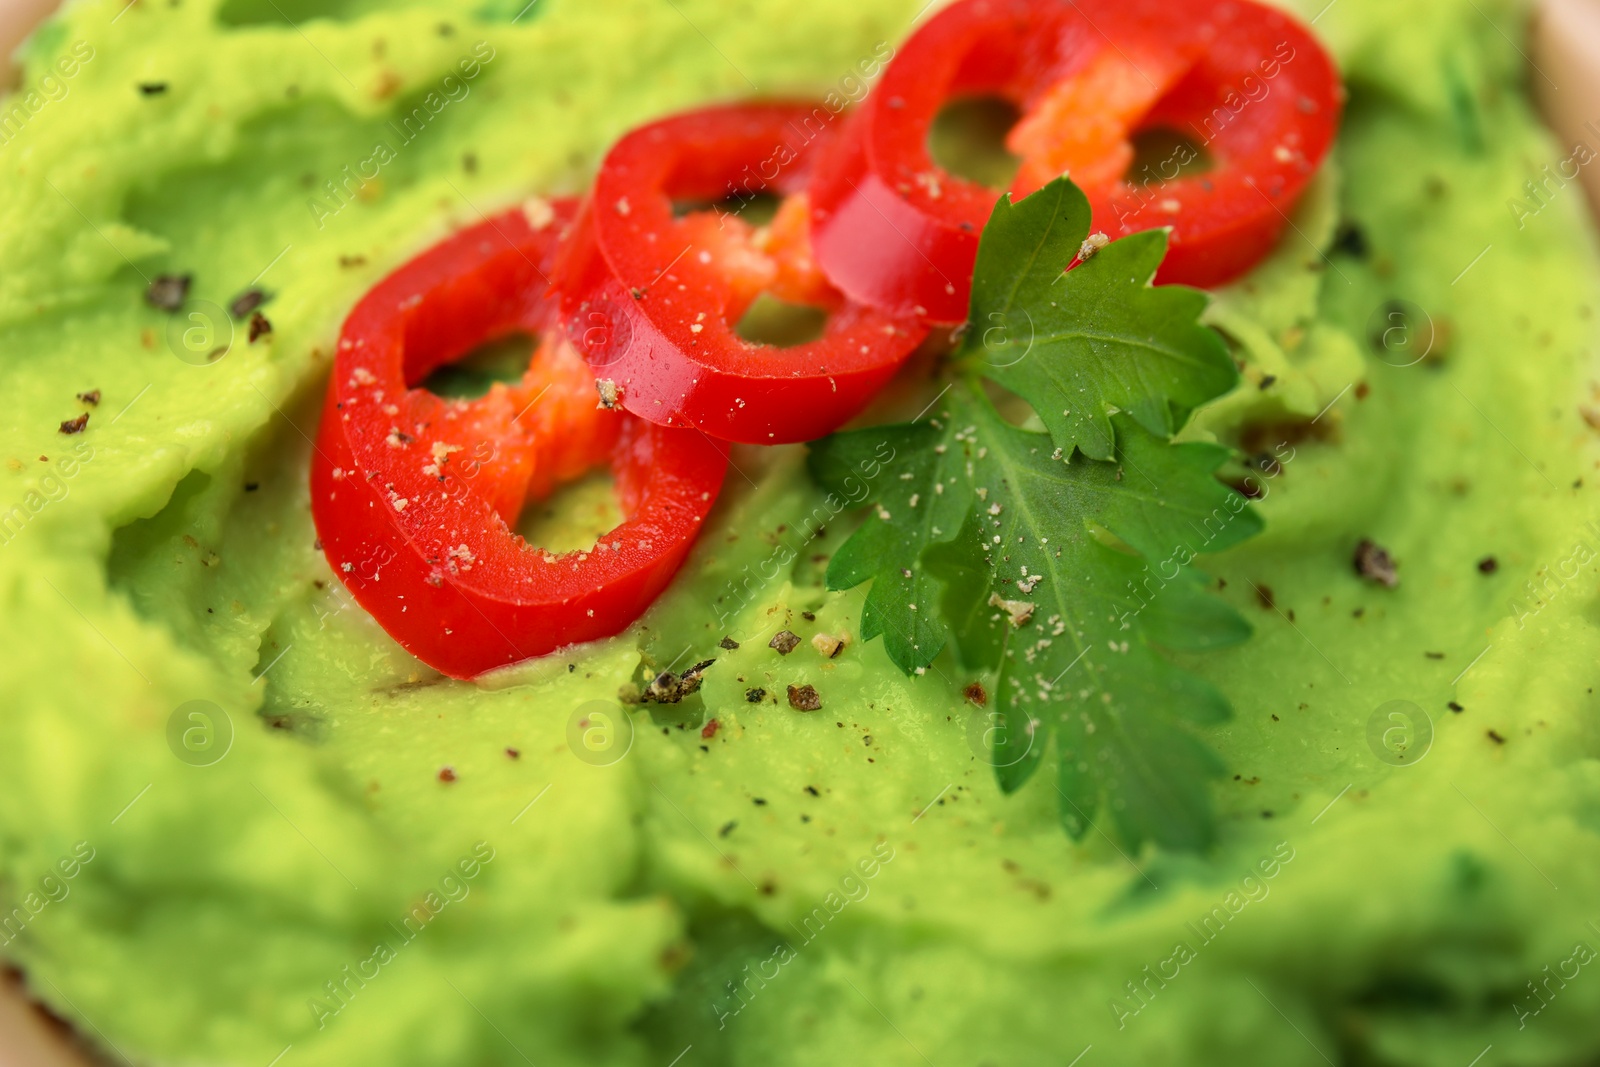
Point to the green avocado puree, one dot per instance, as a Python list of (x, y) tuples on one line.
[(338, 857)]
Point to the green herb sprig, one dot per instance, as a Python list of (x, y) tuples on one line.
[(1061, 561)]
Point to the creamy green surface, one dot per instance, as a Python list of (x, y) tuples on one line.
[(846, 886)]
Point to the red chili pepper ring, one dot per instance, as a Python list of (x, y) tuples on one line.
[(651, 298), (414, 496)]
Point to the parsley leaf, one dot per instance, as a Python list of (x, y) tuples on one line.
[(1084, 344), (921, 499), (1068, 574), (1061, 572)]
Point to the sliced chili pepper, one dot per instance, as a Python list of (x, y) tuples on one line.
[(414, 495), (894, 230), (652, 300), (1264, 101), (890, 227)]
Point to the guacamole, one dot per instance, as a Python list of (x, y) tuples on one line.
[(239, 825)]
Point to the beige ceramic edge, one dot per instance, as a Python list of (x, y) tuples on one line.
[(1565, 50)]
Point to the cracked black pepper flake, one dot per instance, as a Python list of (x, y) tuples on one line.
[(1352, 240), (1457, 708), (691, 678), (827, 645), (1374, 563), (727, 828), (1488, 565), (785, 641), (1265, 598), (152, 88), (759, 802), (260, 326), (665, 688), (352, 261), (1496, 738), (246, 302), (728, 643), (92, 397), (813, 790), (251, 487), (754, 696), (77, 425), (167, 292), (809, 616), (804, 698), (513, 753), (1267, 381)]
